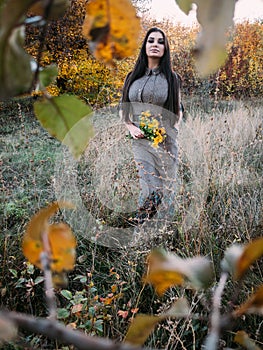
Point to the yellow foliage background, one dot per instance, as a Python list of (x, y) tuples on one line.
[(100, 85)]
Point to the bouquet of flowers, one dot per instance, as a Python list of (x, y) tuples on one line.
[(151, 128)]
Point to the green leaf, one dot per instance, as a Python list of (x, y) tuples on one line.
[(62, 313), (98, 326), (48, 75), (215, 18), (14, 272), (185, 5), (39, 279), (66, 294), (66, 118)]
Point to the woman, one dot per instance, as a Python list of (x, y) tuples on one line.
[(153, 89)]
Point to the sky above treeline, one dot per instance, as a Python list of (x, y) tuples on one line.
[(244, 10)]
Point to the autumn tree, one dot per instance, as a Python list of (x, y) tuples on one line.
[(63, 35)]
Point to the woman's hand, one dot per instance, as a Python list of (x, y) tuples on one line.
[(135, 132)]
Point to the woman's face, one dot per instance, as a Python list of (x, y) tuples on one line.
[(155, 45)]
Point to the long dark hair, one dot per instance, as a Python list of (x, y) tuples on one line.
[(172, 102)]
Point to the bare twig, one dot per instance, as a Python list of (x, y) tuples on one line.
[(55, 330), (49, 289), (216, 320)]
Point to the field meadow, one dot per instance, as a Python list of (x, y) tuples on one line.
[(220, 171), (211, 216)]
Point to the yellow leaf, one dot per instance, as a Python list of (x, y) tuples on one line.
[(251, 252), (32, 248), (114, 288), (142, 325), (112, 28), (167, 270), (63, 244), (243, 339), (39, 222), (162, 280), (140, 328), (253, 305), (61, 240)]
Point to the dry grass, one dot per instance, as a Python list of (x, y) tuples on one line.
[(219, 201)]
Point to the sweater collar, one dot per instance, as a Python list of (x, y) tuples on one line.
[(154, 71)]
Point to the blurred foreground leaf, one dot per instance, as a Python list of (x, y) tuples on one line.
[(112, 29), (15, 70), (66, 118), (142, 325), (231, 257), (167, 270), (215, 17), (252, 251), (140, 328), (254, 305), (48, 75), (243, 339), (61, 240), (55, 11)]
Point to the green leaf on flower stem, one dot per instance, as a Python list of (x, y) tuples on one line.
[(48, 75), (215, 18), (68, 119)]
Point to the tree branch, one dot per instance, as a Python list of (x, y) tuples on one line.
[(55, 330)]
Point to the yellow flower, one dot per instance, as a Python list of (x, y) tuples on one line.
[(151, 129), (146, 114)]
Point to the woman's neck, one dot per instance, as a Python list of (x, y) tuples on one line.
[(153, 63)]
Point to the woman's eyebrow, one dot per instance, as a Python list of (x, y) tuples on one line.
[(152, 38)]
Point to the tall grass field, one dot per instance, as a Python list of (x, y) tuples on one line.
[(219, 202)]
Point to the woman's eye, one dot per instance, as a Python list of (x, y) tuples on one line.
[(161, 42), (150, 41)]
